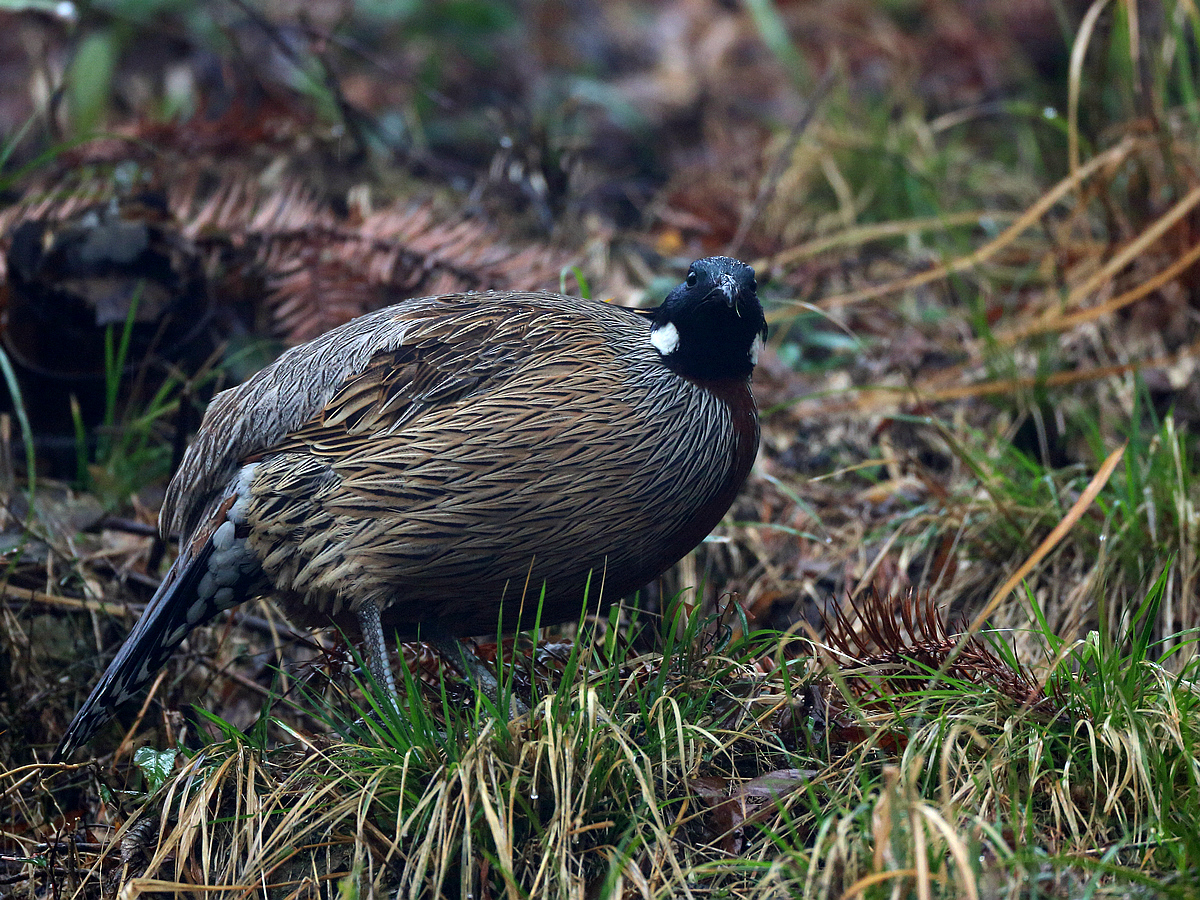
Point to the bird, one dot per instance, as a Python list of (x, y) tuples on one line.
[(457, 465)]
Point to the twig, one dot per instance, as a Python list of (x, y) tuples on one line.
[(352, 119), (31, 596), (129, 526), (769, 184)]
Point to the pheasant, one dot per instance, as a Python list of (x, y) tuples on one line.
[(455, 465)]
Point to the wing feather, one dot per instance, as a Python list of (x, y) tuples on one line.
[(385, 367)]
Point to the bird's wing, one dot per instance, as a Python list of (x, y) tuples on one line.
[(375, 374), (439, 363)]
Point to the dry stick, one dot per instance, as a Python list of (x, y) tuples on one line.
[(779, 166), (1045, 203), (31, 596), (129, 526), (257, 624), (28, 773)]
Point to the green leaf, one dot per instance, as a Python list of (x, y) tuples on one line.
[(156, 765)]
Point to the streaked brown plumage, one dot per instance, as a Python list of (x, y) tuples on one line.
[(440, 462)]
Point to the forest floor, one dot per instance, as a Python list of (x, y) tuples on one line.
[(943, 644)]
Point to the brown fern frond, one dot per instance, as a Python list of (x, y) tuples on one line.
[(241, 208), (405, 250), (319, 294), (894, 645), (318, 268), (322, 270)]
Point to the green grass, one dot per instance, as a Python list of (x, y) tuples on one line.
[(129, 452), (640, 774), (1138, 540)]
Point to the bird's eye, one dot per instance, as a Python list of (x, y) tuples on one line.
[(692, 279)]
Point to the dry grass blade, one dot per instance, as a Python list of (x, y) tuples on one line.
[(1111, 157), (875, 231), (769, 184), (1051, 540), (1070, 320), (538, 819), (1083, 39), (1145, 239)]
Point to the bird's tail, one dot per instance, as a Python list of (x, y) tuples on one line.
[(192, 593)]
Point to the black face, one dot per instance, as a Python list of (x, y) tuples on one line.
[(711, 326)]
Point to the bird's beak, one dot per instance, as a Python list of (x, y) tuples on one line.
[(728, 286)]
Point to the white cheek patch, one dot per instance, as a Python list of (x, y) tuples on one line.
[(665, 339), (756, 349)]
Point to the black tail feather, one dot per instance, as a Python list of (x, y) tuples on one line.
[(174, 611)]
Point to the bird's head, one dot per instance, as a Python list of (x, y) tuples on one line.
[(712, 326)]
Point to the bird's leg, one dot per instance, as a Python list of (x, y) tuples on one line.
[(376, 646), (481, 678)]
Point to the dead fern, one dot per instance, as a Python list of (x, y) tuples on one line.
[(888, 645), (322, 269), (320, 277), (286, 248)]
